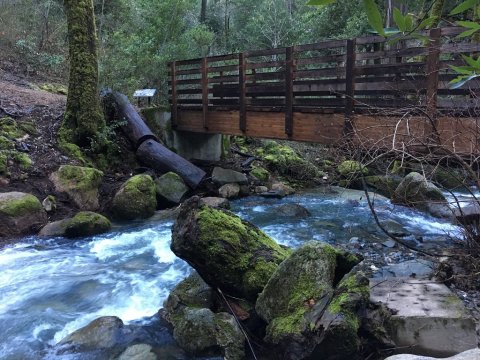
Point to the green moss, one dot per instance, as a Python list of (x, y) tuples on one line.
[(287, 162), (242, 247), (29, 127), (397, 168), (19, 207), (226, 143), (3, 164), (351, 168), (5, 143), (10, 129), (383, 184), (54, 88), (136, 199), (80, 178), (86, 223), (290, 324), (74, 151), (260, 173), (23, 160)]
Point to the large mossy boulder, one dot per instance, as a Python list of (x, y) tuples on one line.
[(301, 292), (383, 184), (416, 191), (136, 199), (20, 214), (228, 252), (81, 184), (171, 187)]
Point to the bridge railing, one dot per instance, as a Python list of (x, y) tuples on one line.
[(366, 74)]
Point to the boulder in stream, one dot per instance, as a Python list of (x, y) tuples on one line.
[(472, 354), (222, 176), (418, 192), (228, 252), (170, 186), (136, 198), (84, 223), (20, 213), (306, 313)]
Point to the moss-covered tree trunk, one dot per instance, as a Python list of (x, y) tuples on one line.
[(436, 12), (83, 117)]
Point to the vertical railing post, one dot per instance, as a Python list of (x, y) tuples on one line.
[(432, 69), (242, 92), (173, 70), (289, 70), (349, 87), (204, 69)]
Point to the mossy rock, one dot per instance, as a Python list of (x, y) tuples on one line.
[(284, 160), (23, 160), (351, 169), (451, 178), (136, 199), (81, 184), (171, 187), (73, 151), (260, 173), (54, 88), (416, 191), (10, 129), (86, 223), (3, 164), (6, 144), (342, 319), (228, 253), (20, 213), (383, 184), (293, 301)]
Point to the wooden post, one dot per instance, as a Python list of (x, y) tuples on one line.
[(242, 69), (432, 68), (289, 69), (204, 70), (173, 69), (349, 87)]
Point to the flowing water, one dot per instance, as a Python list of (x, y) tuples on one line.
[(51, 287)]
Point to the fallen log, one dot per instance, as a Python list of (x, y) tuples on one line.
[(135, 128), (148, 150), (158, 157)]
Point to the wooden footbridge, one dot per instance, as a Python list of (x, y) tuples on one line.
[(366, 89)]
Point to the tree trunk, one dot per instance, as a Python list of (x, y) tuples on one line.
[(203, 11), (83, 116)]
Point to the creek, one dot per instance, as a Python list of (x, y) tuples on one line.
[(51, 287)]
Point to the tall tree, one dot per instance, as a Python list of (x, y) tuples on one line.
[(203, 11), (83, 116)]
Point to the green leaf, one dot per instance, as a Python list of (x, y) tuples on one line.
[(399, 19), (464, 7), (409, 22), (471, 61), (469, 24), (464, 70), (320, 2), (426, 23), (467, 33), (374, 17)]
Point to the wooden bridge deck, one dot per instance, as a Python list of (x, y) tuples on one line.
[(366, 89)]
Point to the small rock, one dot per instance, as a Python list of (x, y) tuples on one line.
[(281, 188), (260, 189), (273, 194), (389, 243), (293, 210), (171, 187), (84, 223), (49, 203), (138, 352), (215, 202), (222, 176), (229, 191), (394, 228)]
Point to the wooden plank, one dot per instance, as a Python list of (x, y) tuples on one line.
[(349, 87), (173, 86), (259, 76), (289, 70), (242, 89), (224, 68), (432, 82), (333, 71), (265, 52), (205, 93), (223, 79), (454, 48), (320, 60), (267, 64), (226, 57), (189, 71), (369, 40), (406, 52), (379, 69), (320, 45)]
